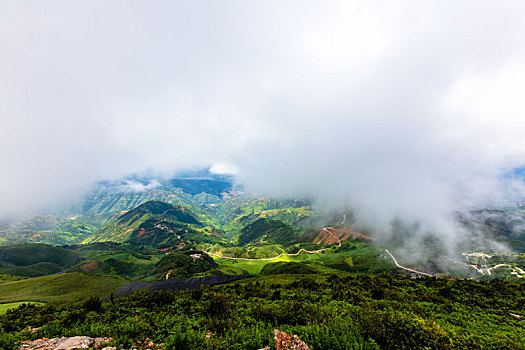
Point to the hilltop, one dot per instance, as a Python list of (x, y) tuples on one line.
[(151, 223), (268, 231)]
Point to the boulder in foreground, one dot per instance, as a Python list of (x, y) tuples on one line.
[(64, 343)]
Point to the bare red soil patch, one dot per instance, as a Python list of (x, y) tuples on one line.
[(141, 232), (331, 235)]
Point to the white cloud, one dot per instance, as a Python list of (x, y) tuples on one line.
[(398, 108), (135, 186), (223, 169)]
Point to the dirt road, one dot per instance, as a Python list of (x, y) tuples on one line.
[(330, 233), (285, 254), (406, 268), (268, 259)]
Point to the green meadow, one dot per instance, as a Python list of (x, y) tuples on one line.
[(7, 306), (60, 288)]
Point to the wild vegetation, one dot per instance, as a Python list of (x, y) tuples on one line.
[(266, 231), (326, 311), (183, 265)]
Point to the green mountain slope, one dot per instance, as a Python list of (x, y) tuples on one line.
[(29, 254), (196, 186), (211, 199), (113, 197), (183, 265), (118, 262), (45, 229), (268, 231), (157, 224), (166, 210), (31, 260)]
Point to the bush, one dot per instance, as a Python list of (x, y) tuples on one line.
[(280, 268)]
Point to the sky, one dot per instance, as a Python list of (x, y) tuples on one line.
[(396, 108)]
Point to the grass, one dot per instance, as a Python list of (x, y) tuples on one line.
[(34, 253), (35, 270), (127, 264), (7, 306), (60, 288), (350, 249), (249, 266)]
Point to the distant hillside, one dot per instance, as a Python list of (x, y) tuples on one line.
[(158, 224), (29, 254), (331, 235), (503, 225), (111, 197), (196, 186), (166, 210), (269, 231), (45, 229), (236, 213), (213, 200), (183, 265), (118, 261), (31, 260)]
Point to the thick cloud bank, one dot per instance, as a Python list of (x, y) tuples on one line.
[(400, 109)]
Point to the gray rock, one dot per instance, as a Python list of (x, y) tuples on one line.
[(75, 343), (79, 342)]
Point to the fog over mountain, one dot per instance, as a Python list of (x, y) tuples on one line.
[(398, 109)]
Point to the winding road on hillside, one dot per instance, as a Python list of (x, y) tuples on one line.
[(268, 259), (326, 229), (406, 268), (515, 270)]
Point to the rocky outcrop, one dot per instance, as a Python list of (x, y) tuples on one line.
[(285, 341), (65, 343)]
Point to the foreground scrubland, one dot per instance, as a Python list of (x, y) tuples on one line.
[(326, 311)]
